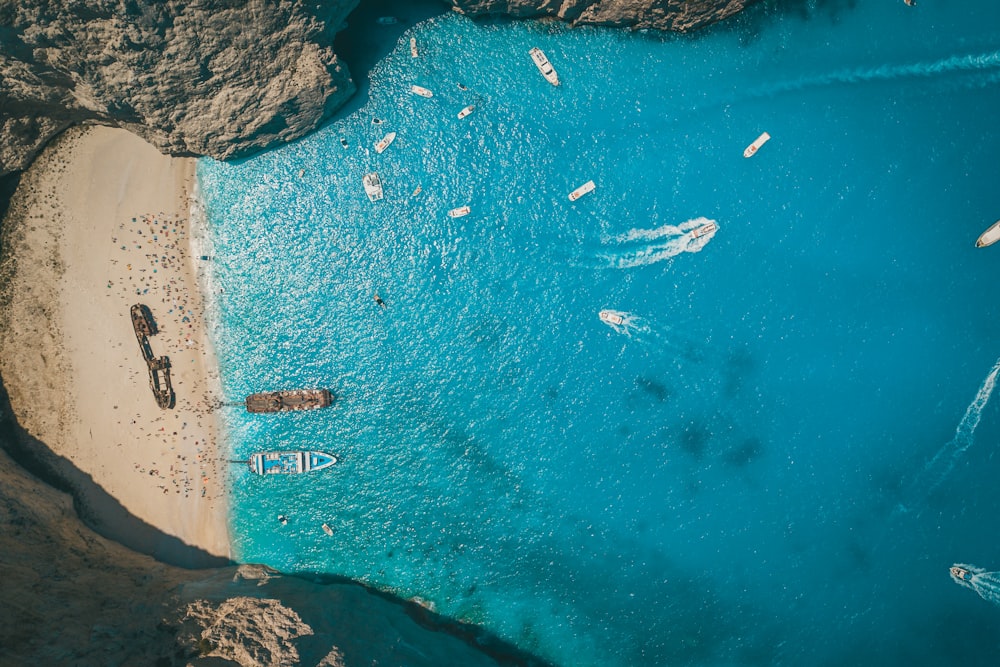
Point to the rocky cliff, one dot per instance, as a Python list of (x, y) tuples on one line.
[(218, 77), (206, 77), (677, 15)]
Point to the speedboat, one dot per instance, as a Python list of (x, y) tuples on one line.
[(611, 317), (544, 66), (466, 111), (384, 142), (373, 186), (413, 47), (459, 212), (420, 90), (990, 236), (960, 573), (757, 143), (582, 190), (289, 463), (703, 230)]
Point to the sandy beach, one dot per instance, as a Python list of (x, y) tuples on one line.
[(99, 223)]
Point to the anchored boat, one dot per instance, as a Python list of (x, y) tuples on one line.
[(289, 400), (459, 212), (384, 142), (466, 111), (544, 66), (757, 143), (582, 190), (289, 463), (420, 90), (413, 47), (373, 186), (990, 236)]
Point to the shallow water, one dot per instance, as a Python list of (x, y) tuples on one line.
[(776, 456)]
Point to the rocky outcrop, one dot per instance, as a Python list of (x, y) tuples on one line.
[(207, 77), (71, 597), (677, 15)]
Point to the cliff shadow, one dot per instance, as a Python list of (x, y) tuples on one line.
[(98, 509), (365, 41)]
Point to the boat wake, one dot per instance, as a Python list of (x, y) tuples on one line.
[(986, 584), (975, 63), (642, 247), (943, 462)]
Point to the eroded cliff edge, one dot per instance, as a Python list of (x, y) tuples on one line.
[(216, 78)]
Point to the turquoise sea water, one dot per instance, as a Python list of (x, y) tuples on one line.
[(776, 457)]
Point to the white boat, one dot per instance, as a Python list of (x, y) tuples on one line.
[(417, 191), (466, 111), (544, 66), (611, 317), (327, 529), (582, 190), (373, 186), (460, 211), (413, 47), (384, 142), (420, 90), (990, 236), (707, 228), (757, 143), (289, 463)]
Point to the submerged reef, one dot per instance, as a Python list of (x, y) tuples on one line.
[(220, 79)]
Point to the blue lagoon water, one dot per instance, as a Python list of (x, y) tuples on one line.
[(777, 455)]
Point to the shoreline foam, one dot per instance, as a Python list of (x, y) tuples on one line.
[(103, 222)]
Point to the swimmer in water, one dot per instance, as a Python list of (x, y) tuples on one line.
[(379, 301), (461, 86)]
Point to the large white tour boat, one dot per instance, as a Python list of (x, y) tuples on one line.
[(582, 190), (544, 66), (757, 143), (990, 236), (289, 463)]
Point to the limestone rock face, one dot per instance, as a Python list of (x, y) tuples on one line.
[(208, 77), (677, 15)]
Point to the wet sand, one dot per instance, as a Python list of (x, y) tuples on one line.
[(99, 223)]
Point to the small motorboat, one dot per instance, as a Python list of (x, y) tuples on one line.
[(373, 186), (327, 529), (757, 143), (990, 236), (703, 230), (420, 90), (416, 192), (459, 212), (611, 317), (384, 142), (544, 66), (466, 111), (960, 573), (413, 47), (289, 463), (343, 142), (582, 190)]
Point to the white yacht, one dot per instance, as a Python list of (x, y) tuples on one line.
[(582, 190), (413, 47), (373, 186), (703, 230), (459, 212), (420, 90), (384, 142), (466, 111), (544, 66), (757, 143)]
